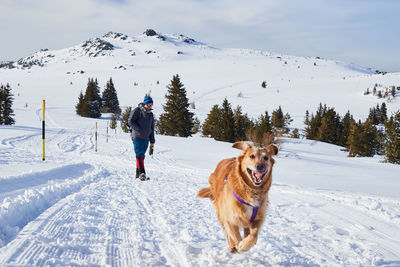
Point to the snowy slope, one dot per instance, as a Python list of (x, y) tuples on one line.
[(209, 75), (82, 208)]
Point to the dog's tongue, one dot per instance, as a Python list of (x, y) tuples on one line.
[(258, 176)]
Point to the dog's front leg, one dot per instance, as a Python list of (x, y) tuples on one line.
[(231, 244), (233, 236), (246, 232), (250, 240)]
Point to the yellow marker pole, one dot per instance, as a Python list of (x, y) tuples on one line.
[(43, 124), (95, 139), (107, 133)]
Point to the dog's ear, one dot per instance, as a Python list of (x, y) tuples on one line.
[(241, 145), (272, 149)]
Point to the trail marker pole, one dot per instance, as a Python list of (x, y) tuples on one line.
[(107, 133), (43, 131), (95, 139)]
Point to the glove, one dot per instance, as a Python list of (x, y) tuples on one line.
[(151, 150)]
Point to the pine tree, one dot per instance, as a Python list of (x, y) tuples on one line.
[(242, 123), (211, 123), (330, 128), (196, 125), (354, 140), (383, 113), (324, 131), (109, 97), (90, 104), (280, 121), (346, 121), (227, 123), (224, 124), (363, 139), (264, 84), (261, 128), (176, 120), (369, 139), (93, 99), (312, 129), (307, 118), (80, 106), (374, 116), (287, 119), (277, 120), (6, 102), (392, 139), (113, 123), (125, 118)]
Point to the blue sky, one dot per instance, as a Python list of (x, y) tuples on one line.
[(364, 32)]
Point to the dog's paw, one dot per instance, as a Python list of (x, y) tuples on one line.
[(233, 250), (243, 246)]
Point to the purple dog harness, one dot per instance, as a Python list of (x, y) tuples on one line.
[(255, 208)]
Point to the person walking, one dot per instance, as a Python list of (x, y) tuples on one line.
[(141, 121)]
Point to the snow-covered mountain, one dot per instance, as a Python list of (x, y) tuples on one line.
[(209, 74), (112, 44), (82, 208)]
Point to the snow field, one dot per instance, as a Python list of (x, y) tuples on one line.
[(91, 212)]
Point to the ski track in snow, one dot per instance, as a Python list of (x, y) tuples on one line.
[(90, 212)]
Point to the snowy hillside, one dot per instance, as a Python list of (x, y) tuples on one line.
[(82, 208), (209, 75)]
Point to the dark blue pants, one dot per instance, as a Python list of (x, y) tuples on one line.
[(140, 147)]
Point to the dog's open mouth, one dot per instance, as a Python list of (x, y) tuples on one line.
[(256, 176)]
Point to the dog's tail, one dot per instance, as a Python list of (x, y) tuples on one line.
[(206, 193)]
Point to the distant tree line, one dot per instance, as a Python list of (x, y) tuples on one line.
[(91, 104), (6, 102), (222, 123), (225, 124), (377, 135), (388, 93)]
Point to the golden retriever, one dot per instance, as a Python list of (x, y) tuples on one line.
[(239, 190)]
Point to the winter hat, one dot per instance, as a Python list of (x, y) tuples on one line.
[(148, 99)]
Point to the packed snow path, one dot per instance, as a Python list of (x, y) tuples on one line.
[(81, 208)]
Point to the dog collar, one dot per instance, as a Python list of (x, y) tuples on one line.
[(255, 208)]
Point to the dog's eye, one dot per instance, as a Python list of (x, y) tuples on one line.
[(266, 158), (252, 156)]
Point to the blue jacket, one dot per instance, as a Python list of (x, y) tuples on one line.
[(142, 123)]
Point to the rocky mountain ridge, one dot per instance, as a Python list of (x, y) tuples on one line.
[(101, 47)]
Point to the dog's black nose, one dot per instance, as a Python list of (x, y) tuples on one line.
[(260, 167)]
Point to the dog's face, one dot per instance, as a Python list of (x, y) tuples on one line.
[(255, 162)]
